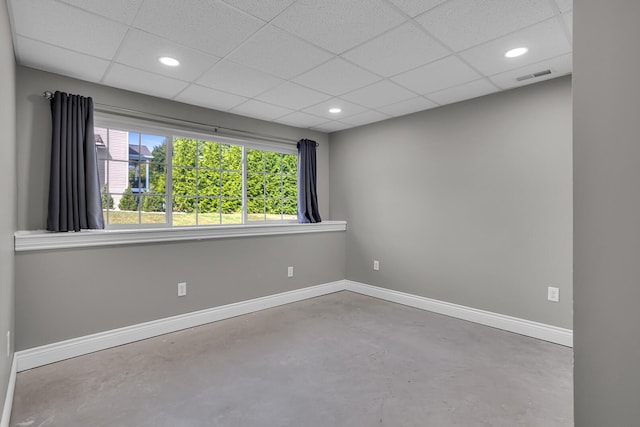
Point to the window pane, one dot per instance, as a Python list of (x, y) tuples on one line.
[(255, 209), (209, 155), (153, 203), (231, 157), (184, 182), (255, 162), (118, 144), (208, 211), (289, 164), (232, 211), (117, 176), (152, 210), (184, 152), (232, 184), (290, 209), (208, 183), (255, 185), (273, 161), (157, 178), (273, 208), (273, 188), (183, 205), (289, 187)]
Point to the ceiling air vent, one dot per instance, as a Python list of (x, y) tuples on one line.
[(534, 75)]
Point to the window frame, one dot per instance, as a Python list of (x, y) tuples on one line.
[(169, 132)]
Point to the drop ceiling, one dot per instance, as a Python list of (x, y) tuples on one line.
[(289, 61)]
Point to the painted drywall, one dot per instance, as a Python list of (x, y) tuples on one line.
[(34, 134), (8, 205), (469, 203), (73, 293), (70, 293), (606, 146)]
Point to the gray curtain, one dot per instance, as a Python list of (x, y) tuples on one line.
[(74, 188), (308, 211)]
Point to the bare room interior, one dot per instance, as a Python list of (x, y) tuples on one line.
[(313, 213)]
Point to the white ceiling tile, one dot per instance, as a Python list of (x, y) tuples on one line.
[(461, 24), (210, 98), (568, 20), (559, 66), (293, 96), (301, 120), (565, 5), (544, 40), (365, 118), (336, 77), (338, 25), (332, 126), (238, 79), (379, 94), (121, 10), (212, 27), (279, 53), (416, 7), (263, 9), (85, 33), (408, 106), (140, 81), (61, 61), (399, 50), (438, 75), (260, 110), (142, 50), (322, 109), (464, 91)]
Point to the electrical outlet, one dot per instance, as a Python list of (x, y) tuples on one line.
[(8, 343), (376, 265), (553, 294), (290, 272), (182, 289)]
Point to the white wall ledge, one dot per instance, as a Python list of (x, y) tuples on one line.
[(44, 240)]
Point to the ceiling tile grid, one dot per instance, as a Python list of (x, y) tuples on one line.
[(461, 24), (336, 77), (238, 79), (289, 61), (401, 49), (209, 98), (543, 40), (442, 74), (338, 25), (141, 50)]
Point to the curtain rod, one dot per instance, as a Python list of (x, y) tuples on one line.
[(216, 129)]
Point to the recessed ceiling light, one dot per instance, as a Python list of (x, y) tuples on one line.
[(335, 110), (167, 60), (513, 53)]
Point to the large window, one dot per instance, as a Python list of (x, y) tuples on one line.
[(149, 176)]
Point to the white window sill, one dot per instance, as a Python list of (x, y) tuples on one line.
[(44, 240)]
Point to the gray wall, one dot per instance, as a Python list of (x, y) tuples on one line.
[(69, 293), (8, 204), (34, 134), (606, 149), (469, 203)]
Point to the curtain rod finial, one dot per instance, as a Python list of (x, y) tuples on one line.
[(48, 95)]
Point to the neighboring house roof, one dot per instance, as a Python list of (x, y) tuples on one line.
[(99, 140), (139, 152)]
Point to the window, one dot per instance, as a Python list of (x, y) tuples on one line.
[(151, 176)]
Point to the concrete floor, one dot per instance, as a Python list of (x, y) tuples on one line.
[(339, 360)]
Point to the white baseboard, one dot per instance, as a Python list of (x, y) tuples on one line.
[(529, 328), (55, 352), (8, 400)]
